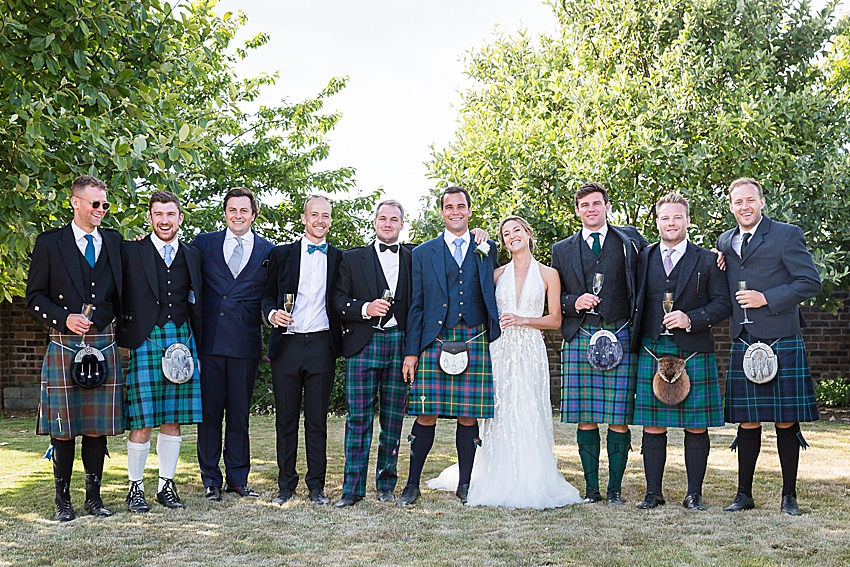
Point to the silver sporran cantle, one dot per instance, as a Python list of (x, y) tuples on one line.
[(604, 351), (760, 363), (177, 364), (88, 370)]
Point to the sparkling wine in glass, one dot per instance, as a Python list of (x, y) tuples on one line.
[(667, 305), (288, 305), (598, 279), (87, 311), (742, 286), (388, 297)]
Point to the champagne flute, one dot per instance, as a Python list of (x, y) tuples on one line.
[(288, 305), (388, 297), (667, 305), (742, 286), (598, 279), (87, 311)]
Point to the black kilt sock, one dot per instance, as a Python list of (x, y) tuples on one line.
[(93, 451), (421, 440), (63, 463), (654, 451), (749, 447), (466, 438), (788, 447), (697, 447)]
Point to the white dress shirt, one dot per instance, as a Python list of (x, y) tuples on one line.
[(230, 245), (80, 239), (310, 312), (738, 237), (678, 251), (159, 244), (450, 242), (389, 264), (603, 232)]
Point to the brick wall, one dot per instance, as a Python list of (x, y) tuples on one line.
[(23, 341)]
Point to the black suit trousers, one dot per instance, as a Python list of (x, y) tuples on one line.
[(303, 370)]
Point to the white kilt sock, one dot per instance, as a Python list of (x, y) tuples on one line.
[(168, 449), (137, 456)]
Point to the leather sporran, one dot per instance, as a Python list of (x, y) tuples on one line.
[(671, 383), (88, 369), (604, 351), (454, 357)]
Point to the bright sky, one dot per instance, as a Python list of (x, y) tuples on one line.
[(404, 63)]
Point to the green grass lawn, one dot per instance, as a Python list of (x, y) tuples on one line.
[(438, 530)]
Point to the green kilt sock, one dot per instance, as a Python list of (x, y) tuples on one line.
[(588, 450), (618, 455)]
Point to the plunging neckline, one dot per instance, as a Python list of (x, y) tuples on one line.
[(521, 290)]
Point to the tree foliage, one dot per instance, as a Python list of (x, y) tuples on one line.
[(649, 96)]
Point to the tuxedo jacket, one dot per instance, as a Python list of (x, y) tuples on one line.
[(55, 281), (140, 301), (429, 299), (231, 316), (283, 277), (360, 281), (701, 293), (776, 263), (566, 259)]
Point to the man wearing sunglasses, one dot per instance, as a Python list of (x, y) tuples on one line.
[(78, 264)]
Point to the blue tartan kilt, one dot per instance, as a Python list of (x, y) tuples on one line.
[(788, 398), (469, 394), (152, 400)]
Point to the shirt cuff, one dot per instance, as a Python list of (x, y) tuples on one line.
[(271, 314), (363, 310)]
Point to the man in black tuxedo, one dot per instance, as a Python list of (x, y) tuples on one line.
[(234, 264), (74, 265), (304, 362)]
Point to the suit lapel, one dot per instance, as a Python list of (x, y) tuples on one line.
[(574, 257), (148, 253), (686, 267), (404, 269), (70, 254), (438, 260), (295, 264), (757, 238), (370, 264), (218, 254)]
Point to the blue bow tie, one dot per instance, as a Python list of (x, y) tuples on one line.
[(323, 248)]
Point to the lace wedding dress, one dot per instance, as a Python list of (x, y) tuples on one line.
[(515, 466)]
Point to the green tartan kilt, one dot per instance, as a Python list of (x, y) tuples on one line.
[(702, 408), (152, 400), (469, 394)]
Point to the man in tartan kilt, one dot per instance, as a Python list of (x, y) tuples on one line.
[(769, 272), (590, 396), (71, 266), (700, 300), (162, 288), (453, 300)]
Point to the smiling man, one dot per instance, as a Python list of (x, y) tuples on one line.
[(161, 324)]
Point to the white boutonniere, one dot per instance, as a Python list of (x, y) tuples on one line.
[(483, 249)]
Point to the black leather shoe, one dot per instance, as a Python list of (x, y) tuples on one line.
[(136, 499), (242, 491), (317, 496), (95, 507), (168, 495), (613, 498), (212, 493), (64, 510), (284, 495), (348, 500), (693, 502), (462, 492), (741, 502), (789, 506), (385, 495), (591, 496), (650, 501), (409, 496)]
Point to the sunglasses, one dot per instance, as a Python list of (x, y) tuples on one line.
[(98, 205)]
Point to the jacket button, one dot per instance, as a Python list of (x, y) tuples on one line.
[(461, 302), (224, 297), (221, 314), (444, 305), (60, 296), (439, 322), (461, 271)]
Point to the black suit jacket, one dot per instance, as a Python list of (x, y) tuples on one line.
[(55, 281), (566, 258), (283, 277), (359, 277), (140, 302), (776, 263), (701, 293)]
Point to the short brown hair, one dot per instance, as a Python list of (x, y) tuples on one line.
[(164, 197), (673, 198), (524, 224), (588, 188), (242, 192), (746, 181), (389, 203), (83, 181), (453, 190), (313, 198)]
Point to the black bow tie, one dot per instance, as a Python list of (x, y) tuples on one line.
[(391, 247)]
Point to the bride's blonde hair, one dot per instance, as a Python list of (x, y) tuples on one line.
[(524, 224)]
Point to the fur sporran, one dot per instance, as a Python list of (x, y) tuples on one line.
[(671, 383)]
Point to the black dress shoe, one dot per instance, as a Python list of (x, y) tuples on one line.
[(95, 507), (741, 502), (242, 491), (385, 495), (409, 495), (650, 501), (591, 496), (168, 495), (212, 493), (64, 510), (613, 498), (136, 499), (789, 506), (283, 496), (348, 500), (462, 492), (317, 496), (694, 502)]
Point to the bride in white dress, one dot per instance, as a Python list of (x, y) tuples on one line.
[(515, 466)]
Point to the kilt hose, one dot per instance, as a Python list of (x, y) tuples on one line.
[(66, 410), (593, 396), (374, 372), (469, 394), (702, 408), (152, 400), (788, 398)]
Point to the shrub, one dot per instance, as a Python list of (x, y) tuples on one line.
[(833, 392)]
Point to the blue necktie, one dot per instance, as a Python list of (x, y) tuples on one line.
[(167, 254), (458, 255), (323, 248), (90, 250)]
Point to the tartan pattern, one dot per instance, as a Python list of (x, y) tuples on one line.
[(788, 398), (151, 399), (592, 396), (80, 411), (373, 373), (469, 394), (702, 408)]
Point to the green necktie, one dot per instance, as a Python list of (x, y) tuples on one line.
[(595, 247)]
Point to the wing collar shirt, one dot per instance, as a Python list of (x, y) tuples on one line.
[(679, 251), (230, 245), (450, 242), (80, 239), (159, 244), (603, 232), (310, 312), (738, 237), (389, 264)]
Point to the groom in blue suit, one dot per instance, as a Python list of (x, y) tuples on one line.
[(234, 264), (453, 301)]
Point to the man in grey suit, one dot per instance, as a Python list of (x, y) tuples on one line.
[(769, 272)]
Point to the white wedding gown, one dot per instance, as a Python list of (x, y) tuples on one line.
[(515, 466)]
